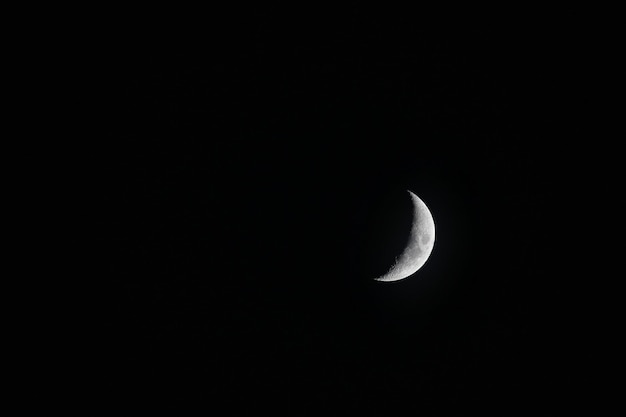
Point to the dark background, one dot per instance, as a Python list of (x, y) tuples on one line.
[(253, 183)]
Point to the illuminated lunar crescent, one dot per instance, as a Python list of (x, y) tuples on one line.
[(419, 245)]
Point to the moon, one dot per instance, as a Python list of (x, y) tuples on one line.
[(419, 246)]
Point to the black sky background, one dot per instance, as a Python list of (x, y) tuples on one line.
[(254, 184)]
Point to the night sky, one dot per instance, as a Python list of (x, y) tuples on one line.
[(254, 184)]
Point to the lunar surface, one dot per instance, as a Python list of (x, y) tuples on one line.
[(419, 245)]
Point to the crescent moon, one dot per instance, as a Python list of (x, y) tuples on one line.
[(419, 246)]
